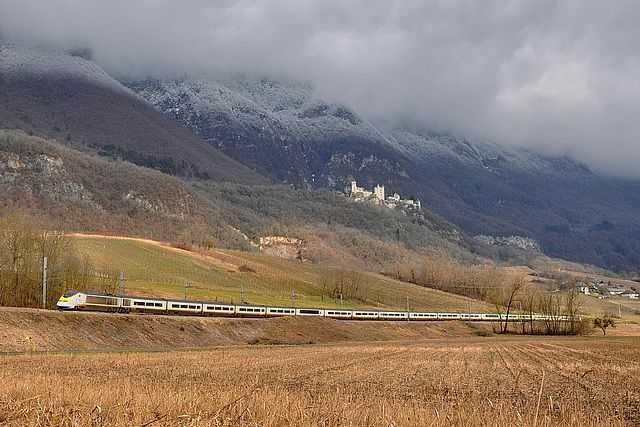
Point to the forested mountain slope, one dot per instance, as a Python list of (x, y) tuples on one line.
[(282, 129)]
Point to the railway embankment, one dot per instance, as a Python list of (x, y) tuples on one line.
[(24, 329)]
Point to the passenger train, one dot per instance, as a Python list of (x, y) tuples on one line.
[(81, 300)]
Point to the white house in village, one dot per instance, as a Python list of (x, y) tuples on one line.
[(615, 291), (584, 289)]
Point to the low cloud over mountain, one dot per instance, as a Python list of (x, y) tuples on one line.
[(556, 77)]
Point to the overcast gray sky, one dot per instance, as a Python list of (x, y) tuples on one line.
[(561, 77)]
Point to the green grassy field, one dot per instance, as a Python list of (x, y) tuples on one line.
[(219, 275)]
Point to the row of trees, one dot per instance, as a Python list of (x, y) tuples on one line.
[(446, 274), (508, 294), (23, 247), (534, 300)]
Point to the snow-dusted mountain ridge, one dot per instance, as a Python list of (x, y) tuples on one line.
[(291, 110), (18, 62)]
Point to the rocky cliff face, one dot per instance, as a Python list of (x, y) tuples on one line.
[(40, 174), (524, 243)]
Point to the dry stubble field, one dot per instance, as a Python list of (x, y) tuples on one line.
[(574, 382)]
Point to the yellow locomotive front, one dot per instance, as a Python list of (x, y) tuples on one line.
[(72, 300)]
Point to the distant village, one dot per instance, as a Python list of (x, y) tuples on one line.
[(603, 289), (378, 196)]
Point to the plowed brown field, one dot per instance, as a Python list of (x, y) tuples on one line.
[(488, 381)]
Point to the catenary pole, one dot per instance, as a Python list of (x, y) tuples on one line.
[(44, 284), (407, 309)]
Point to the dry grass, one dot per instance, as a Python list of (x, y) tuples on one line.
[(493, 382)]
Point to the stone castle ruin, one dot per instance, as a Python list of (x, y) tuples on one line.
[(378, 196)]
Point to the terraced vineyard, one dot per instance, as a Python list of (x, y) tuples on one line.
[(152, 269), (528, 382)]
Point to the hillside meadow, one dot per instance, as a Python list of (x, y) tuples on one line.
[(154, 269)]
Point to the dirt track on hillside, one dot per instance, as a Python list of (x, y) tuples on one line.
[(44, 330)]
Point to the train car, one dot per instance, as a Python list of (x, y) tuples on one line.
[(218, 309), (490, 317), (144, 305), (77, 300), (422, 315), (338, 314), (393, 315), (473, 316), (244, 310), (448, 316), (280, 311), (309, 312), (365, 314), (184, 307)]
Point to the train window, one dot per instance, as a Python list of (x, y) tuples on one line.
[(158, 304), (138, 303), (193, 307)]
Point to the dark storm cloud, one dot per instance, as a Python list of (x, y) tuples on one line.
[(557, 77)]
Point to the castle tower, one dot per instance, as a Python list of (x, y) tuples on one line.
[(379, 192)]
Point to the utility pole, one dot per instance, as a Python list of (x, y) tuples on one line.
[(293, 298), (469, 299), (340, 301), (241, 294), (44, 284), (407, 309), (185, 289), (121, 282)]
